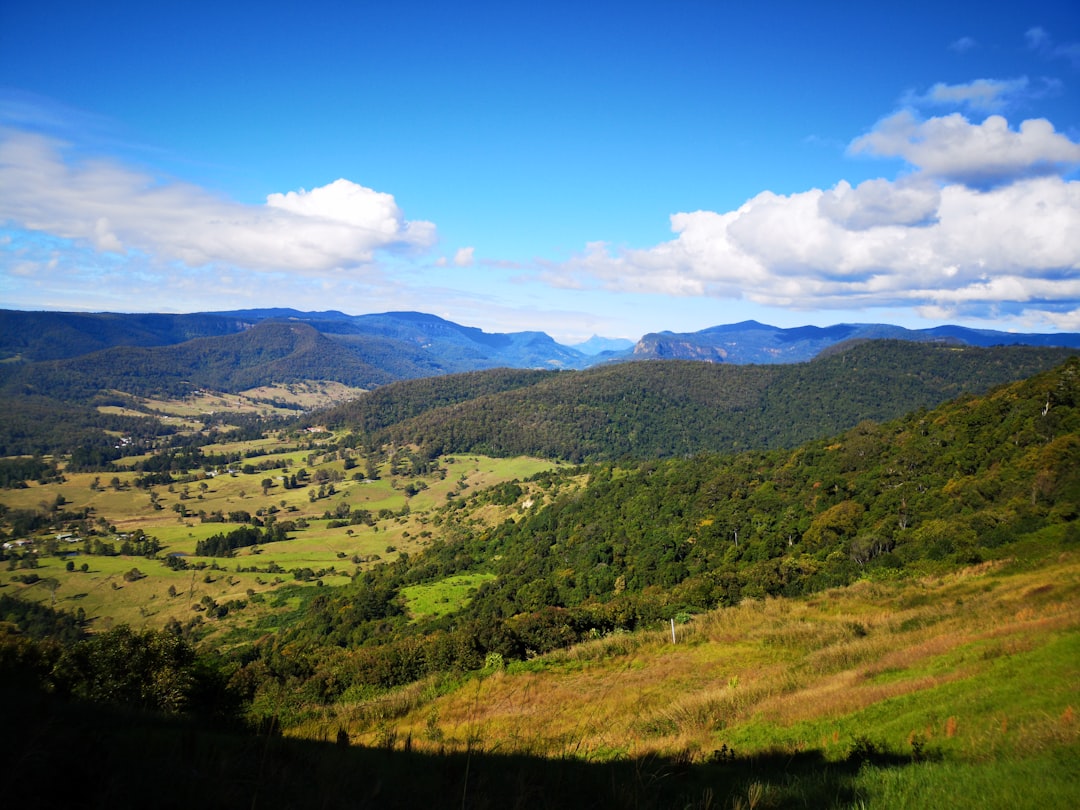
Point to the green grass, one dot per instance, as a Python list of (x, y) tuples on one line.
[(974, 708), (1049, 779), (1009, 705), (106, 598), (443, 597)]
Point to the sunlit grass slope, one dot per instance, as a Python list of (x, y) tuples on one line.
[(973, 678)]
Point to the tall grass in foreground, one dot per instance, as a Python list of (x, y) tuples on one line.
[(930, 693)]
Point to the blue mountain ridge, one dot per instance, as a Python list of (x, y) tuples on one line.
[(434, 345), (754, 342)]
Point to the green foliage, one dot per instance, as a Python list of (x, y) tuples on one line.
[(649, 541), (224, 544), (40, 425), (267, 352), (620, 545), (151, 670), (38, 621), (38, 336), (658, 409), (15, 472), (391, 404)]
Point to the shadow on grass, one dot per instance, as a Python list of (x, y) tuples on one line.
[(62, 755)]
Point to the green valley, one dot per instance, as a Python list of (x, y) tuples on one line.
[(855, 619)]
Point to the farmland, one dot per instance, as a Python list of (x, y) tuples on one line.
[(328, 545)]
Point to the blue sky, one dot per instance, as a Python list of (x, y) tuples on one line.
[(577, 168)]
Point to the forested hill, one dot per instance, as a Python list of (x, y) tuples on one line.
[(35, 336), (404, 345), (266, 353), (943, 487), (397, 402), (617, 545), (656, 409)]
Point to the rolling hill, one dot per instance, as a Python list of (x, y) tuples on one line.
[(269, 352), (676, 408), (402, 344), (36, 336)]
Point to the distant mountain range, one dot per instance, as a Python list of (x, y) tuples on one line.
[(753, 342), (460, 388), (598, 345), (371, 350)]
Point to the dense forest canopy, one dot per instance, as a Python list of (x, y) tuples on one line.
[(657, 409)]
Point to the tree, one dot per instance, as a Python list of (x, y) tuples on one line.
[(125, 667), (836, 523)]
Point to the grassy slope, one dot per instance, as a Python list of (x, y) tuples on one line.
[(977, 670)]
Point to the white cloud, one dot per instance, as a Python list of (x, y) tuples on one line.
[(980, 95), (875, 203), (464, 257), (119, 210), (919, 241), (980, 155)]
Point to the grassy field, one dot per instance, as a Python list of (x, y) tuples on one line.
[(280, 399), (443, 597), (960, 691), (332, 554)]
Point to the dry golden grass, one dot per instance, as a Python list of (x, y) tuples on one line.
[(775, 662)]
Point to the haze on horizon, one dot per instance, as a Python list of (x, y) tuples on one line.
[(611, 169)]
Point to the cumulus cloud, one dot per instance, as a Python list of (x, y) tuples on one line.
[(119, 210), (941, 239), (875, 203), (979, 155)]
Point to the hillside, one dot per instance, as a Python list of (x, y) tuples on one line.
[(857, 620), (674, 408), (947, 487), (395, 403), (266, 353), (887, 694), (35, 336), (36, 425), (86, 402), (461, 348)]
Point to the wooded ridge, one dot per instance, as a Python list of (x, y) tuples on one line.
[(663, 409)]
